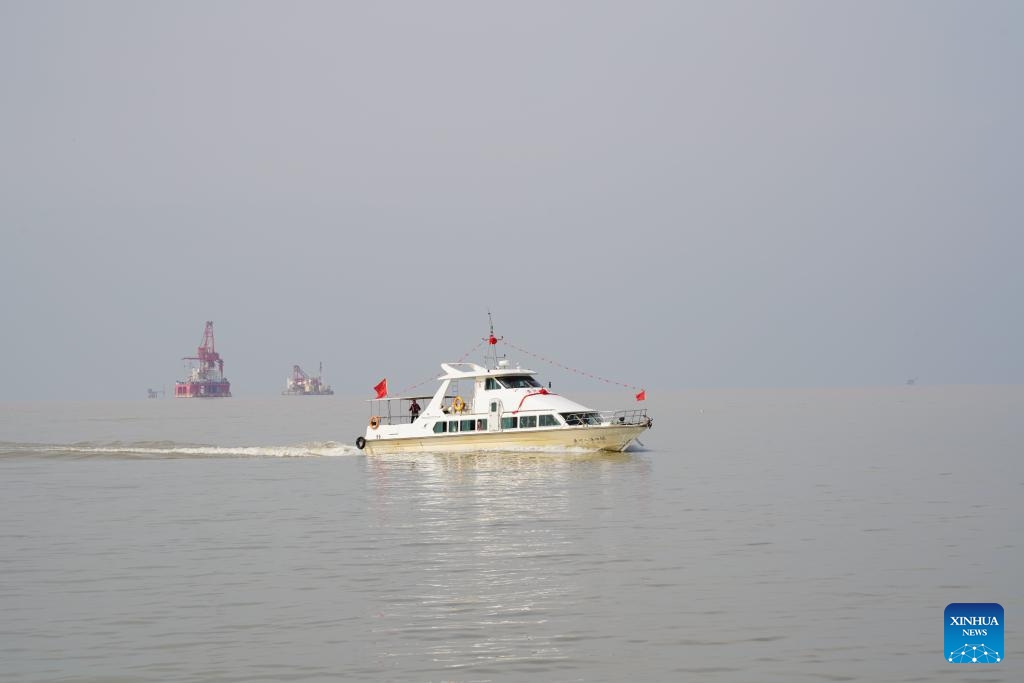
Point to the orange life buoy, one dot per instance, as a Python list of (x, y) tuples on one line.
[(458, 405), (374, 422)]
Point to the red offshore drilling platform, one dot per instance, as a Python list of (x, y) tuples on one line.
[(205, 372)]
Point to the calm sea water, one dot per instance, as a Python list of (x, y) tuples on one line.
[(769, 535)]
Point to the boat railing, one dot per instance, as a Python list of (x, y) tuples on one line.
[(395, 410), (389, 417), (637, 416)]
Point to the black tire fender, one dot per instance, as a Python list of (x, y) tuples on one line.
[(360, 443)]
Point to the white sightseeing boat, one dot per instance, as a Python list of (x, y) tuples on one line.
[(504, 408)]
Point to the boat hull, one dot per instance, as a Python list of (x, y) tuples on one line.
[(589, 438)]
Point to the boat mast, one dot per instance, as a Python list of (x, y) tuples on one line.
[(492, 343)]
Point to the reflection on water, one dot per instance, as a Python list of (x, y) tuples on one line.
[(485, 556)]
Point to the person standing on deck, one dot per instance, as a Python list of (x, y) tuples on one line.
[(414, 410)]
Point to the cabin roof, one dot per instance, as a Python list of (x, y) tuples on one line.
[(469, 370), (426, 397)]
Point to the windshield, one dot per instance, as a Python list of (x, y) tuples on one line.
[(518, 382), (574, 419)]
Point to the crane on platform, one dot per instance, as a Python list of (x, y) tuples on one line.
[(207, 353)]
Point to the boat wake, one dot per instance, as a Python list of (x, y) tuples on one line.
[(168, 449)]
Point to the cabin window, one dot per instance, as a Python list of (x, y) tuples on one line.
[(509, 422), (467, 425), (481, 425), (453, 426), (548, 421), (494, 406), (528, 421), (491, 383), (440, 427)]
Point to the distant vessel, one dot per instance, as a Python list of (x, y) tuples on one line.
[(301, 384), (205, 372), (508, 409)]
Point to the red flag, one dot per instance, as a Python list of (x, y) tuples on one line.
[(642, 395), (382, 388)]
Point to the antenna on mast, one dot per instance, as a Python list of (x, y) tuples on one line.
[(492, 342)]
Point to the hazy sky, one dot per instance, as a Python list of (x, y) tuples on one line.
[(668, 194)]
